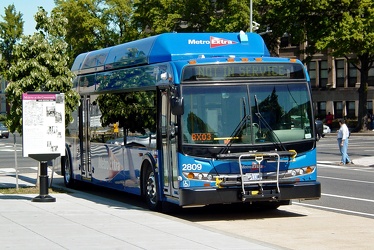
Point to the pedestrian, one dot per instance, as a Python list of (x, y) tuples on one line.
[(115, 130), (343, 135), (329, 118)]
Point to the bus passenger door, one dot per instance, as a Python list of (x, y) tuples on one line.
[(84, 138), (169, 147)]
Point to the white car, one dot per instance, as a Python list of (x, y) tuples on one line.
[(326, 129)]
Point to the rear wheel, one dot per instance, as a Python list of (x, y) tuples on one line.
[(151, 190), (67, 170)]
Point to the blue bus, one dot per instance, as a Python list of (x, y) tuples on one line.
[(204, 118)]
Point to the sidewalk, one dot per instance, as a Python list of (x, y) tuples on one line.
[(79, 220), (364, 161)]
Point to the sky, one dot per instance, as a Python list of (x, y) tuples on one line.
[(28, 9)]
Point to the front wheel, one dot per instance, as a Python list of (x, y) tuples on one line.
[(151, 190)]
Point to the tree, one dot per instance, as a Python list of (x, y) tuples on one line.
[(96, 24), (42, 65), (134, 111), (352, 36), (10, 33), (118, 17), (84, 25), (155, 17), (341, 28)]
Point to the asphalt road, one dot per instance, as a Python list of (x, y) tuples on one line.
[(345, 189), (11, 156)]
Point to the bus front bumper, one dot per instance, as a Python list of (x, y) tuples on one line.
[(197, 197)]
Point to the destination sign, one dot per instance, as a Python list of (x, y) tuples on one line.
[(213, 72)]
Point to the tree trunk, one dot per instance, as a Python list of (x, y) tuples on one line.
[(362, 92)]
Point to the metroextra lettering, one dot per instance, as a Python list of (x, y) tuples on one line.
[(213, 42), (216, 42), (194, 41)]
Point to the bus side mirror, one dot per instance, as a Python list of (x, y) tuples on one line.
[(177, 106)]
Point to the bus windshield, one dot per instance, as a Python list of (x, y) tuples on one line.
[(246, 114)]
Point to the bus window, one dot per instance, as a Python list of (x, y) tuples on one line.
[(216, 115)]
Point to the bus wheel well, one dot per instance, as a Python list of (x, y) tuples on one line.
[(150, 187)]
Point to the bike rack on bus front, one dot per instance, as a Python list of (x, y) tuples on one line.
[(256, 178)]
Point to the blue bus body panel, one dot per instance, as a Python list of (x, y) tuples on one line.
[(171, 47), (232, 166), (197, 193)]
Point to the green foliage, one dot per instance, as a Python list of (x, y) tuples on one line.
[(42, 65), (10, 33), (155, 17), (134, 111), (96, 24), (230, 16), (341, 28)]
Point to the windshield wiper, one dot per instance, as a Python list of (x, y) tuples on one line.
[(237, 130), (277, 141)]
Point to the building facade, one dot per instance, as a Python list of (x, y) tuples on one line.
[(335, 83)]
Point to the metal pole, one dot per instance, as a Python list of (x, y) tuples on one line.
[(15, 159), (43, 188), (250, 16)]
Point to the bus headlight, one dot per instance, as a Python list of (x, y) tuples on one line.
[(198, 176), (299, 171)]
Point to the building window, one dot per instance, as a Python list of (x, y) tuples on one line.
[(369, 107), (312, 67), (338, 109), (340, 75), (351, 109), (321, 110), (371, 77), (352, 76), (323, 74)]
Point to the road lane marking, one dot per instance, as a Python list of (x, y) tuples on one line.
[(7, 170), (347, 197), (350, 167), (13, 170), (342, 179), (333, 209), (9, 150)]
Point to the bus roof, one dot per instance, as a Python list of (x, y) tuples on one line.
[(171, 47)]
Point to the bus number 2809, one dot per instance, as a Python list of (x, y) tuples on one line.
[(188, 167)]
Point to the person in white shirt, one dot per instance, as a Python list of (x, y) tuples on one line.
[(343, 135)]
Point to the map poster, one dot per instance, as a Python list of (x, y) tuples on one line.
[(43, 123)]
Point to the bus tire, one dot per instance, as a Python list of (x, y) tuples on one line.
[(151, 190), (67, 170)]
